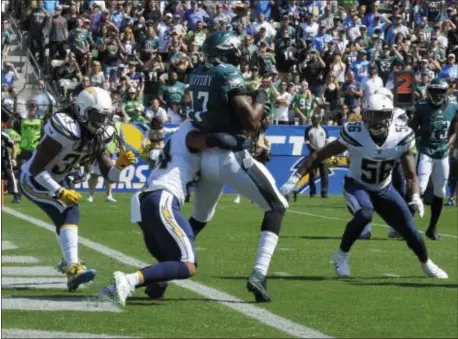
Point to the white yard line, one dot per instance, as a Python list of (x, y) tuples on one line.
[(282, 274), (391, 275), (257, 313), (19, 259), (39, 271), (50, 304), (8, 245), (346, 220), (18, 333)]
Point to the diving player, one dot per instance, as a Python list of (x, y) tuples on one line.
[(374, 145), (78, 135), (221, 103), (157, 207), (432, 122)]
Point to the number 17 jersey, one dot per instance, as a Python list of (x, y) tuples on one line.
[(371, 165), (210, 87)]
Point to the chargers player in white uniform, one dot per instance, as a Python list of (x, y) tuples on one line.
[(374, 146), (78, 135), (168, 235), (401, 119)]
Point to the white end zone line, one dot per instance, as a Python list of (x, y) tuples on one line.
[(262, 315), (346, 220)]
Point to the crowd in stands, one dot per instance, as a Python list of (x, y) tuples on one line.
[(310, 55)]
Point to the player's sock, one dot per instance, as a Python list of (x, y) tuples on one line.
[(354, 228), (135, 279), (196, 225), (69, 243), (165, 271), (266, 248), (367, 229), (436, 210)]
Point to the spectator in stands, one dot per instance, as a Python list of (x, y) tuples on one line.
[(303, 104), (175, 112), (96, 76), (283, 99), (330, 98), (373, 83), (313, 71), (156, 111), (131, 102), (58, 34), (69, 75), (9, 76), (35, 24), (138, 115), (6, 38), (85, 83), (352, 93), (449, 70), (172, 91)]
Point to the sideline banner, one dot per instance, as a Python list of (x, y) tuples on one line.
[(288, 149)]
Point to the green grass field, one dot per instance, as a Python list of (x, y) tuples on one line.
[(387, 296)]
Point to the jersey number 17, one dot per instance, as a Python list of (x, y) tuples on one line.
[(198, 105)]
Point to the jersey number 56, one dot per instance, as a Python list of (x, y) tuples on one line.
[(375, 172)]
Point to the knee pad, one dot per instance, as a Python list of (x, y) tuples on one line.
[(364, 216)]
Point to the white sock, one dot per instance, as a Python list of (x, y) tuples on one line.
[(134, 279), (69, 244), (366, 229), (266, 248)]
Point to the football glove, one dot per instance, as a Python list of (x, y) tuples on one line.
[(417, 204), (290, 185), (68, 197), (125, 159)]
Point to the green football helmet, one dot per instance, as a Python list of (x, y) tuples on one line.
[(222, 47), (437, 91)]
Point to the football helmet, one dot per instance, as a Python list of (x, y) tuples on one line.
[(94, 110), (437, 92), (385, 91), (222, 47), (377, 114)]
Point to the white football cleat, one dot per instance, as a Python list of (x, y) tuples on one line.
[(433, 271), (123, 288), (340, 261), (90, 198), (237, 199), (110, 199)]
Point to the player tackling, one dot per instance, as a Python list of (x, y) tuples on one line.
[(375, 144)]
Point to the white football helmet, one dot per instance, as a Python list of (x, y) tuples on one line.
[(385, 91), (378, 113), (94, 109)]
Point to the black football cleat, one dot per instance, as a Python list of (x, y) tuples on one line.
[(156, 290), (16, 199), (257, 284), (432, 234)]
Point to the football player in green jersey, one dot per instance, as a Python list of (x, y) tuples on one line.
[(222, 103), (432, 122)]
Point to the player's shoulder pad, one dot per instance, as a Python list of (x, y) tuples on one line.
[(351, 132), (232, 75), (405, 135), (61, 124)]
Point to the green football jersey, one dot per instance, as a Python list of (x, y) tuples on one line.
[(209, 87), (172, 92), (435, 122)]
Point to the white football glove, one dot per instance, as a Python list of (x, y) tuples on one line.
[(290, 185), (417, 204)]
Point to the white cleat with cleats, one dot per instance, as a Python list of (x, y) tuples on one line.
[(340, 262), (123, 288), (433, 271)]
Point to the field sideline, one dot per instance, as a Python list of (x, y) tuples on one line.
[(387, 295)]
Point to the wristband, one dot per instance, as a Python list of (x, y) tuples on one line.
[(114, 173), (45, 180)]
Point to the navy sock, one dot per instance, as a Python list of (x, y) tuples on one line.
[(354, 228), (436, 210), (196, 225), (165, 271), (416, 243)]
